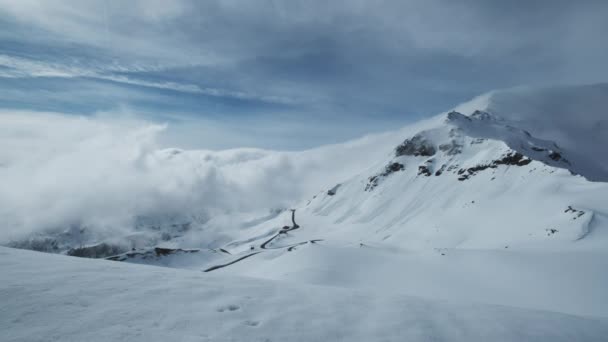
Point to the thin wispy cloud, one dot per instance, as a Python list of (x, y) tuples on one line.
[(23, 68), (380, 62)]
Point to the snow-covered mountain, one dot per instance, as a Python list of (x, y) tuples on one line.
[(502, 200), (518, 157), (472, 181)]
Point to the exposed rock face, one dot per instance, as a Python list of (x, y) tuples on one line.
[(551, 154), (481, 115), (333, 190), (555, 156), (46, 244), (576, 213), (393, 167), (511, 158), (390, 168), (157, 252), (101, 250), (451, 148), (424, 170), (455, 144), (418, 145), (440, 171), (455, 116)]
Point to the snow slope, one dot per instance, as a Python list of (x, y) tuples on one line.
[(466, 200), (47, 298), (468, 206)]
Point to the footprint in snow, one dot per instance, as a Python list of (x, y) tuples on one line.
[(252, 323), (231, 307)]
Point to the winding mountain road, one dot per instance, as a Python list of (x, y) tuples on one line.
[(230, 263), (264, 245)]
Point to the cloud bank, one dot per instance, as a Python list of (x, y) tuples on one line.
[(376, 63), (108, 175)]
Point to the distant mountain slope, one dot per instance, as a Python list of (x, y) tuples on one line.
[(576, 117), (530, 161), (472, 181)]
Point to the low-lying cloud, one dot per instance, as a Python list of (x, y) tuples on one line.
[(108, 173)]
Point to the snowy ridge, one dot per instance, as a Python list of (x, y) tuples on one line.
[(576, 117), (396, 188), (498, 163)]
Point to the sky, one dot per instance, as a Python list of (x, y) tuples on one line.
[(285, 75)]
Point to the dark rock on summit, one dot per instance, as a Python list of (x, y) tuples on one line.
[(555, 156), (511, 158), (416, 146), (451, 148), (481, 115)]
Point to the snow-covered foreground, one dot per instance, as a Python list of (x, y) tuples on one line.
[(567, 282), (59, 298)]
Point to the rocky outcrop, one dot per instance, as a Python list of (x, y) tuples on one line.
[(511, 158), (388, 169), (333, 190), (556, 156), (155, 253), (481, 115), (440, 170), (418, 145), (575, 212), (424, 170), (101, 250), (451, 148)]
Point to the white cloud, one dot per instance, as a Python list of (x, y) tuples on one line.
[(104, 172)]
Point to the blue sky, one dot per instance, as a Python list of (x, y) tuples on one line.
[(287, 74)]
